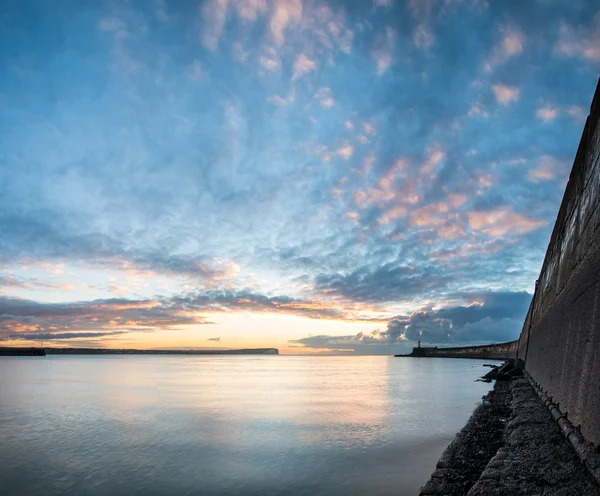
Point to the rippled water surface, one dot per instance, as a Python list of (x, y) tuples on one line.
[(227, 425)]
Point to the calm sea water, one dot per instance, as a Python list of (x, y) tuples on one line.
[(228, 425)]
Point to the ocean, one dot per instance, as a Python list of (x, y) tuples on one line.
[(229, 425)]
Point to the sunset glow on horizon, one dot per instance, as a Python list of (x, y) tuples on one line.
[(314, 176)]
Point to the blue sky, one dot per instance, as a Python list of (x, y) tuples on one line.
[(316, 176)]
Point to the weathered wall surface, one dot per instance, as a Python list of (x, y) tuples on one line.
[(500, 351), (560, 341)]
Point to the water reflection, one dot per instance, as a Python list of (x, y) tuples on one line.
[(228, 425)]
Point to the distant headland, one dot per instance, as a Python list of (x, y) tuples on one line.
[(14, 351)]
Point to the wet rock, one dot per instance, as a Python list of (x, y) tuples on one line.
[(529, 454)]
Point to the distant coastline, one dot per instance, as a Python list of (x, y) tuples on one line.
[(14, 351)]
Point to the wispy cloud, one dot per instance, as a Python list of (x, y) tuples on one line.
[(582, 42), (510, 45), (547, 113), (214, 14), (303, 65), (284, 13), (339, 161), (383, 52)]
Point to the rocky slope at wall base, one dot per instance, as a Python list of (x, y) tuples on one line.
[(585, 451), (530, 454)]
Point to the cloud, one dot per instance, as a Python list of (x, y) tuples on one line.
[(250, 9), (478, 110), (303, 65), (323, 94), (577, 112), (284, 13), (383, 51), (218, 340), (345, 151), (489, 317), (390, 282), (501, 222), (19, 315), (277, 100), (369, 128), (547, 113), (547, 169), (269, 64), (360, 184), (505, 94), (510, 45), (214, 14), (423, 37), (581, 42), (50, 336)]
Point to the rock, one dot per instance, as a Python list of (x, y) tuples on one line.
[(492, 374)]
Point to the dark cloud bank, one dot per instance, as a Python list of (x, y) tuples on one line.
[(493, 317)]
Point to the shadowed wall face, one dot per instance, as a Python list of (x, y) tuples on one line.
[(560, 340)]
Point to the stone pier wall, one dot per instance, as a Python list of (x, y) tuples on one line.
[(560, 341), (500, 351)]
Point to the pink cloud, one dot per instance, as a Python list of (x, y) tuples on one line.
[(285, 12), (393, 214), (509, 46), (345, 151), (547, 113), (269, 64), (478, 110), (323, 94), (505, 94), (547, 168), (250, 9), (369, 128), (428, 215), (303, 65), (456, 200), (502, 221), (580, 42), (451, 232)]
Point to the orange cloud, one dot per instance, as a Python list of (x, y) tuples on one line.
[(428, 215), (502, 221), (393, 213)]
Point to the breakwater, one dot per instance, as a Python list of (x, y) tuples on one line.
[(13, 351), (499, 351)]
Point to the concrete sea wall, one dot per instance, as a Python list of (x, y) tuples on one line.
[(560, 340), (500, 351)]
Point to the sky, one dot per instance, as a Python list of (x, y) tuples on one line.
[(316, 176)]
